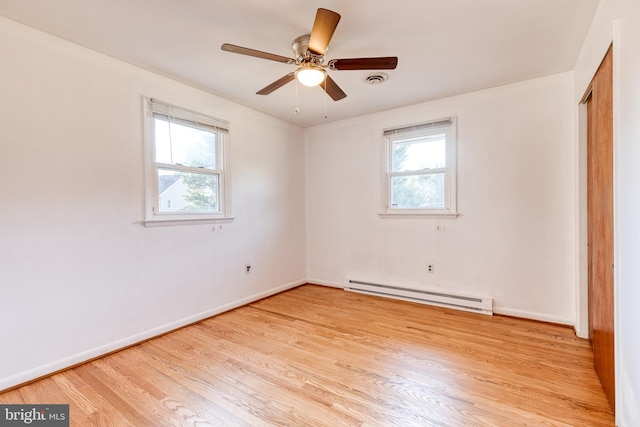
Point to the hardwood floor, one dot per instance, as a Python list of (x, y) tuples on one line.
[(317, 356)]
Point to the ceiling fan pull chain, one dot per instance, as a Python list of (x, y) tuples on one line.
[(325, 98), (297, 110)]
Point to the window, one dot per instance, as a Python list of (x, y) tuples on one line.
[(420, 169), (185, 166)]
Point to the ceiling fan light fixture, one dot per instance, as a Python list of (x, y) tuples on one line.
[(310, 75)]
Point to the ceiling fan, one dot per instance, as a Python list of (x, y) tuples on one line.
[(309, 51)]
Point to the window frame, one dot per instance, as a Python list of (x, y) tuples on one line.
[(448, 127), (153, 216)]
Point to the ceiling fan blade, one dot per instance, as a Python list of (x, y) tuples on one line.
[(332, 89), (256, 53), (276, 85), (322, 31), (381, 63)]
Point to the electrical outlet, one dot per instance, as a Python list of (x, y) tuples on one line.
[(247, 269), (431, 268)]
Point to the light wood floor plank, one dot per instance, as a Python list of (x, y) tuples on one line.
[(315, 356)]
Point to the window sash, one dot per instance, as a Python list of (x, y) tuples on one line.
[(216, 188), (219, 174), (219, 136), (429, 142), (426, 199), (445, 190)]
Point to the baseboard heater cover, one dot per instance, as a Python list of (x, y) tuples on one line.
[(474, 304)]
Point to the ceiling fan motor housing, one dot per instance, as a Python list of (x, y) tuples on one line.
[(300, 47)]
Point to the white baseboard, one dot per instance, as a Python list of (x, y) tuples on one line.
[(325, 283), (581, 333), (533, 315), (76, 359)]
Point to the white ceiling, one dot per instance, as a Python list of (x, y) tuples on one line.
[(445, 47)]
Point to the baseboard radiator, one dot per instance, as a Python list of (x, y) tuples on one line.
[(442, 299)]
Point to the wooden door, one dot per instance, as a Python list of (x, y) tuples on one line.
[(600, 223)]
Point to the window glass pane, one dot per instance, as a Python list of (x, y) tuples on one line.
[(179, 143), (185, 192), (417, 153), (418, 191)]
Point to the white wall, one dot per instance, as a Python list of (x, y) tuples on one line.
[(515, 239), (79, 275), (619, 21)]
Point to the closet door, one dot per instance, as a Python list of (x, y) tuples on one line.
[(600, 223)]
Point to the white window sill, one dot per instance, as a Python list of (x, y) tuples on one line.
[(163, 222), (421, 214)]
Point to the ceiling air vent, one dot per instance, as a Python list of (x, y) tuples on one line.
[(375, 78)]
